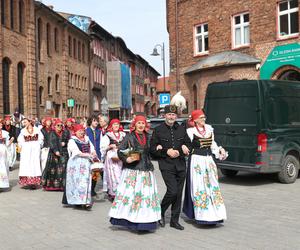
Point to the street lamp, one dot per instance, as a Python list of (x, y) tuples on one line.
[(155, 53)]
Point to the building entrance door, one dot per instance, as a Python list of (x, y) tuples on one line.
[(291, 75)]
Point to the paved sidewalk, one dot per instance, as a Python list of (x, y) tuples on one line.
[(262, 214)]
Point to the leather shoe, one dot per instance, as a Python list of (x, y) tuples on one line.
[(162, 221), (176, 225)]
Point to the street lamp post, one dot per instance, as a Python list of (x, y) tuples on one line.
[(155, 53)]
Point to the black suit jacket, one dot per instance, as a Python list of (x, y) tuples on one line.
[(169, 137)]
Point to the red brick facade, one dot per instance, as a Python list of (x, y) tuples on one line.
[(184, 15)]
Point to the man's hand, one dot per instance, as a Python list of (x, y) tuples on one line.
[(57, 153), (173, 153), (185, 150), (159, 147), (129, 160)]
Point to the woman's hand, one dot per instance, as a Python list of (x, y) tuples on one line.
[(223, 154), (130, 160), (185, 150), (112, 146), (63, 144), (57, 153), (159, 147)]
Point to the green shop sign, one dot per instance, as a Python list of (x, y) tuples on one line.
[(283, 55), (71, 103)]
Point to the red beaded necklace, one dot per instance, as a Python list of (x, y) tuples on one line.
[(141, 141), (201, 132)]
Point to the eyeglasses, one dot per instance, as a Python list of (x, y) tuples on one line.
[(202, 118), (59, 125)]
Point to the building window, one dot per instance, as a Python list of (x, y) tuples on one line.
[(57, 83), (48, 34), (3, 16), (41, 93), (79, 51), (39, 37), (83, 53), (21, 17), (74, 48), (201, 39), (5, 76), (288, 18), (96, 103), (49, 86), (70, 46), (241, 30), (12, 14), (56, 45), (20, 87)]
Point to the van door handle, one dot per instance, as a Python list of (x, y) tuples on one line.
[(233, 133)]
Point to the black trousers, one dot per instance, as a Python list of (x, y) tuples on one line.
[(174, 181)]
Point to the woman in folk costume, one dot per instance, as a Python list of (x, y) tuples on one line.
[(46, 130), (203, 200), (11, 147), (112, 164), (30, 142), (4, 164), (94, 134), (79, 172), (136, 205), (53, 175)]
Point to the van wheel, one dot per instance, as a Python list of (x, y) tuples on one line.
[(228, 172), (290, 170)]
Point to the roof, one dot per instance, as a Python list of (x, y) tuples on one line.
[(223, 59)]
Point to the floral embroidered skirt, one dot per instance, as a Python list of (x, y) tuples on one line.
[(136, 205), (78, 181), (203, 200), (4, 182)]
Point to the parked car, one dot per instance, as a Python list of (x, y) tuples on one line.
[(258, 123), (126, 125), (155, 122)]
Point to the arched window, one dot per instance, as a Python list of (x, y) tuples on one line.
[(70, 46), (3, 16), (57, 83), (49, 87), (39, 37), (56, 45), (21, 68), (74, 48), (21, 17), (5, 76), (96, 103), (83, 53), (41, 94), (79, 50), (195, 97), (12, 14), (48, 34)]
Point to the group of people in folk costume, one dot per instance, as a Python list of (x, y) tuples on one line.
[(74, 156)]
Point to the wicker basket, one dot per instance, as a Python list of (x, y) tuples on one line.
[(136, 156)]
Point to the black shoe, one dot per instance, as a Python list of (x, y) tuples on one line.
[(10, 169), (162, 221), (176, 225)]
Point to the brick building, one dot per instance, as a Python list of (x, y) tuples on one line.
[(17, 57), (63, 65), (221, 40)]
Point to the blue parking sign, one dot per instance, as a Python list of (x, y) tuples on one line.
[(164, 99)]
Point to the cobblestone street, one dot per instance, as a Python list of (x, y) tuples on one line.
[(262, 214)]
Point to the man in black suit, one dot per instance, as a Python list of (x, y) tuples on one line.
[(169, 145)]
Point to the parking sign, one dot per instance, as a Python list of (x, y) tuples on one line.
[(164, 99)]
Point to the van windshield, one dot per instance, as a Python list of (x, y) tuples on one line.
[(284, 111), (232, 110)]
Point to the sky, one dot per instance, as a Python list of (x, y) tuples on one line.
[(141, 23)]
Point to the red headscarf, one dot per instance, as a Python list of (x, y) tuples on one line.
[(55, 122), (139, 118), (113, 121), (196, 114), (72, 120), (7, 117), (77, 127)]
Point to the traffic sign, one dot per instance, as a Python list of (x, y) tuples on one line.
[(164, 99)]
